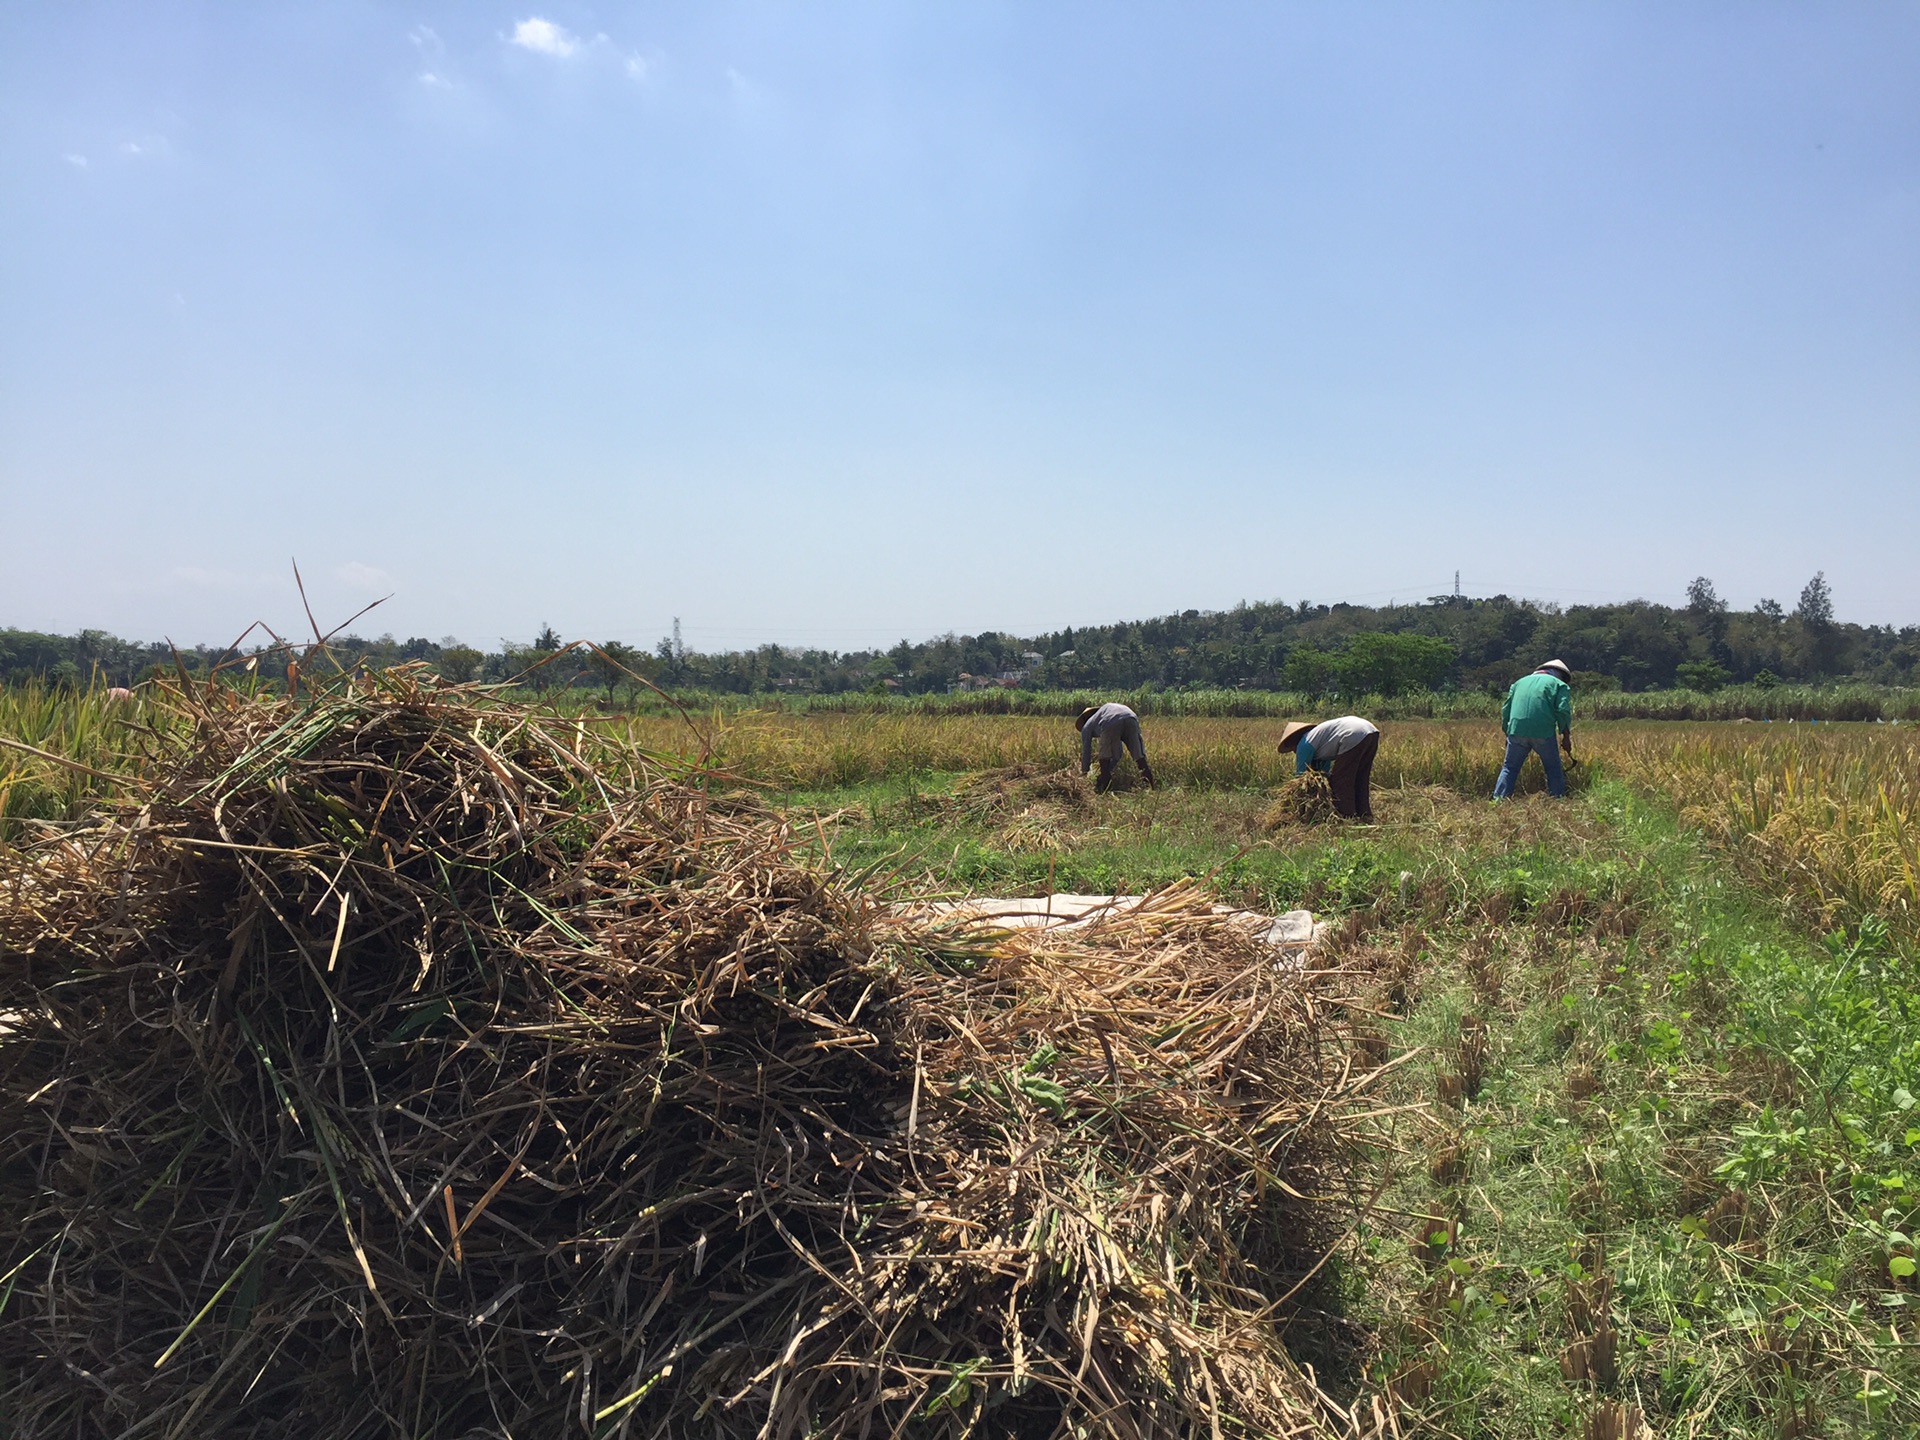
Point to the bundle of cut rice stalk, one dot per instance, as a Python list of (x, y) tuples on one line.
[(1306, 799), (403, 1062)]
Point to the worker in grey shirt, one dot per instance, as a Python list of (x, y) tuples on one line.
[(1113, 726), (1343, 748)]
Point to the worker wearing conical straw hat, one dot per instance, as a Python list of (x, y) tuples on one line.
[(1537, 705), (1342, 749), (1113, 726)]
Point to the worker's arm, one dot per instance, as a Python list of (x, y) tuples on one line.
[(1303, 758), (1086, 748), (1506, 713), (1563, 710)]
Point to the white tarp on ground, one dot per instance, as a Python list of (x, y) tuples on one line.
[(1293, 932)]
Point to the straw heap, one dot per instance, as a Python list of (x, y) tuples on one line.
[(390, 1065), (1305, 799)]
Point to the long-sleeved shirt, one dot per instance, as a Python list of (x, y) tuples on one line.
[(1106, 717), (1330, 738), (1536, 706)]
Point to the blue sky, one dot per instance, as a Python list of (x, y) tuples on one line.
[(839, 323)]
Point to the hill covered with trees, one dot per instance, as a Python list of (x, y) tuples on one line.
[(1449, 642)]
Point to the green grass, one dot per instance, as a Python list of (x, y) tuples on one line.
[(1136, 840), (1685, 1098)]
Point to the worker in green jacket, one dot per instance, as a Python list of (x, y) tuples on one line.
[(1537, 705)]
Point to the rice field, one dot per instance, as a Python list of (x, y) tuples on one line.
[(1732, 702), (824, 751), (1622, 1067), (77, 727), (1828, 814)]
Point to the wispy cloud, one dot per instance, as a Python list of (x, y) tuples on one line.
[(749, 97), (146, 147), (638, 66), (362, 576), (79, 162), (433, 56), (543, 37)]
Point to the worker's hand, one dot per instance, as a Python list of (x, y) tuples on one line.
[(1566, 744)]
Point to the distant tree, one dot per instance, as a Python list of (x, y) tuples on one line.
[(534, 665), (1376, 664), (1765, 680), (1770, 610), (459, 662), (1708, 614), (91, 649), (1632, 672), (1309, 670), (1820, 640), (1703, 600), (1702, 675), (1816, 602), (615, 663)]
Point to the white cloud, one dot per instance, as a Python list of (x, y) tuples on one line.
[(426, 40), (638, 66), (544, 38), (155, 148), (79, 162), (363, 577), (435, 82)]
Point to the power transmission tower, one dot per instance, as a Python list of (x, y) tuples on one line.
[(679, 650)]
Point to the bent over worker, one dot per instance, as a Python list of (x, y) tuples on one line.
[(1114, 726), (1537, 705), (1343, 750)]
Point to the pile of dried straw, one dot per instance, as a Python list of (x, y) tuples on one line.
[(1306, 799), (389, 1065)]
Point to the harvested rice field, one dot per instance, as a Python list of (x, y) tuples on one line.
[(411, 1061)]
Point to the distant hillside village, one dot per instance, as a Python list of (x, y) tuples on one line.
[(1448, 643)]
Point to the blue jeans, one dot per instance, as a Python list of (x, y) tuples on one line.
[(1518, 747)]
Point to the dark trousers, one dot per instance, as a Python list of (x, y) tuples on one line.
[(1124, 733), (1105, 781), (1353, 779)]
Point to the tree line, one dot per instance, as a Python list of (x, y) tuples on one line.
[(1449, 642)]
